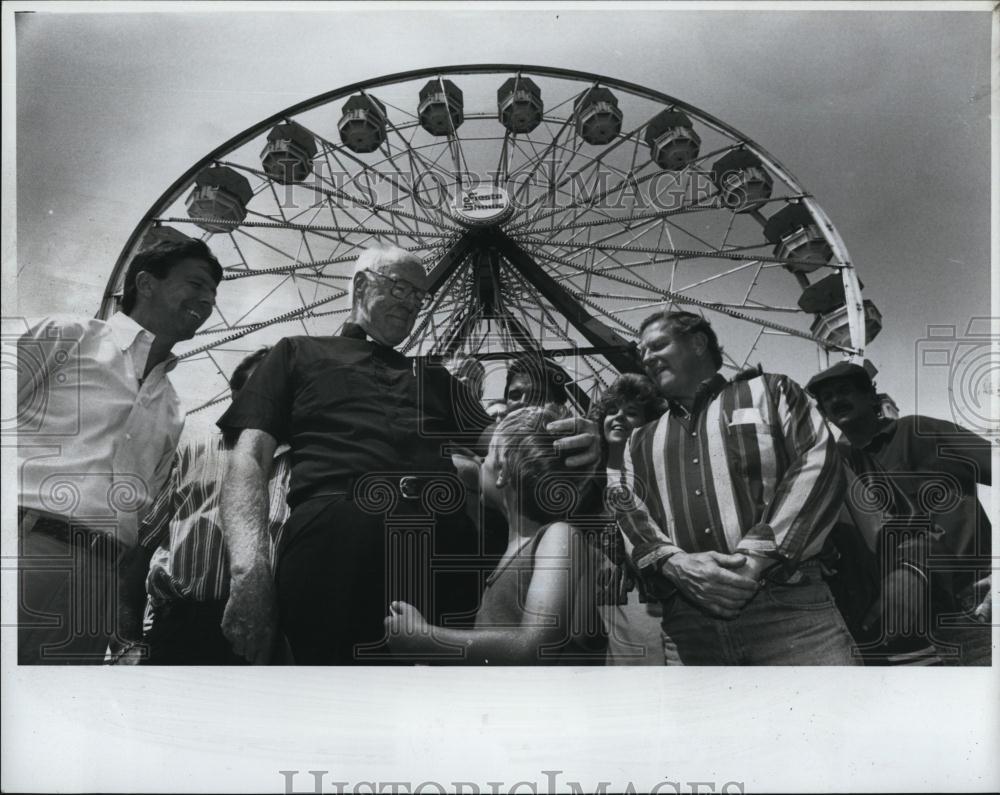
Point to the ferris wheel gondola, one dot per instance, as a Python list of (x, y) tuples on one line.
[(553, 209)]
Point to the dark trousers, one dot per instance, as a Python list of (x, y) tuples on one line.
[(340, 566), (186, 632), (66, 592)]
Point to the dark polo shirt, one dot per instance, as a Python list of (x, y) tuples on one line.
[(349, 406)]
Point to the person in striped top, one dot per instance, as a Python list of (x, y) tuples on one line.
[(188, 576), (728, 498), (632, 616)]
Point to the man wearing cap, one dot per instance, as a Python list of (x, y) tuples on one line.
[(371, 433), (98, 422), (935, 552), (728, 499)]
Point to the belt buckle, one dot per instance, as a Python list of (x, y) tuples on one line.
[(409, 487)]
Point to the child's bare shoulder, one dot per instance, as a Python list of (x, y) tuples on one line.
[(557, 538)]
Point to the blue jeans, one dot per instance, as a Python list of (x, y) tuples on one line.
[(784, 624)]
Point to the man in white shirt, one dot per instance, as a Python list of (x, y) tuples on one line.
[(98, 423)]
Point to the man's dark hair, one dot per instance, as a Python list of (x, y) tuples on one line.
[(547, 377), (157, 260), (684, 324), (245, 368)]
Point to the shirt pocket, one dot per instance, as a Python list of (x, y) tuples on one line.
[(331, 386), (747, 444)]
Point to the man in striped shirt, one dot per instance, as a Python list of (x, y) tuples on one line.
[(729, 497), (188, 577)]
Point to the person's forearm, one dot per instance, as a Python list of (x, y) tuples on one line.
[(509, 646), (244, 514)]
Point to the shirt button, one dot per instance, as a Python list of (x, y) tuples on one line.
[(694, 433), (697, 492), (708, 530), (694, 460), (128, 436)]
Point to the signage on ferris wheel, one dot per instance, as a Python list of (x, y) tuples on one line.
[(482, 206)]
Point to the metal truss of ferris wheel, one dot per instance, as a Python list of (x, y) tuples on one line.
[(599, 226)]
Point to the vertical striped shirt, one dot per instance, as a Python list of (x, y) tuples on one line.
[(191, 560), (752, 468)]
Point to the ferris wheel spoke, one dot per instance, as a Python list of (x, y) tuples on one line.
[(239, 252), (589, 203), (303, 241), (649, 215), (256, 239), (335, 211), (717, 276), (595, 165), (622, 266), (260, 302), (414, 201), (328, 193), (600, 160), (362, 167), (541, 304), (448, 277), (682, 253), (254, 327), (532, 167), (592, 330), (315, 265), (414, 156), (503, 165), (589, 271), (589, 251), (550, 322)]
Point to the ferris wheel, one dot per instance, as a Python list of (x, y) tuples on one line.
[(553, 210)]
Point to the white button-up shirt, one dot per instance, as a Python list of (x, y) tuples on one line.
[(95, 440)]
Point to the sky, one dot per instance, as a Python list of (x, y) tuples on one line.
[(883, 115)]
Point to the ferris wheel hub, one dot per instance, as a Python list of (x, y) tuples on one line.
[(482, 207)]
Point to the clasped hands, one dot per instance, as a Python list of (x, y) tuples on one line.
[(719, 584)]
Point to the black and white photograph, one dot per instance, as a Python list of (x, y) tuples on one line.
[(500, 397)]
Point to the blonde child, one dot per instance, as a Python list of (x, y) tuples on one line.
[(539, 605)]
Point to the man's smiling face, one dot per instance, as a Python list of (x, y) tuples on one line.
[(844, 401), (672, 361), (177, 305)]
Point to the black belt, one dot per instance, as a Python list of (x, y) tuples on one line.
[(409, 487), (71, 534)]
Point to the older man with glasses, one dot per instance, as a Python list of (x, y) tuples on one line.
[(371, 433)]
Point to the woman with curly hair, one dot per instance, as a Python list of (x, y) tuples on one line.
[(632, 616)]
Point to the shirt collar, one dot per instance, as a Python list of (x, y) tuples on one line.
[(353, 331), (127, 332), (886, 430), (705, 393)]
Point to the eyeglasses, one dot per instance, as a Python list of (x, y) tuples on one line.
[(401, 289)]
